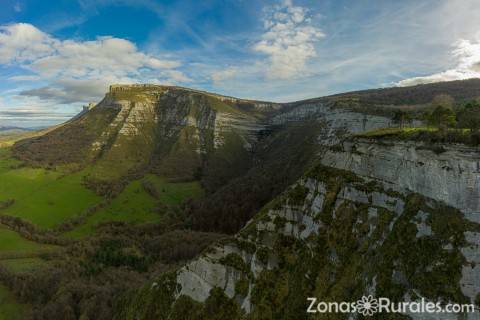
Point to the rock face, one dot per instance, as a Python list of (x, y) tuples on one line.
[(337, 121), (452, 176), (397, 220)]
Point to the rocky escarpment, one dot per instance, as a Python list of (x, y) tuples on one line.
[(338, 121), (448, 173), (333, 235)]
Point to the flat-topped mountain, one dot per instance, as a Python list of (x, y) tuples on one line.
[(173, 131)]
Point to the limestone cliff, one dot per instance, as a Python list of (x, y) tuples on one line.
[(391, 219), (448, 173), (336, 236)]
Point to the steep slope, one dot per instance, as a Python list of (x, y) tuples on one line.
[(174, 132), (336, 236), (387, 218)]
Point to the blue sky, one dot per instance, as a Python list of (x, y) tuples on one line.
[(57, 55)]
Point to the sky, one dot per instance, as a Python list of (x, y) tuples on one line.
[(56, 56)]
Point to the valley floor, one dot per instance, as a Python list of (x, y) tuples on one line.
[(57, 203)]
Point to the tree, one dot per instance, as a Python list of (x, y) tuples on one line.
[(469, 116), (443, 100), (402, 117), (442, 118)]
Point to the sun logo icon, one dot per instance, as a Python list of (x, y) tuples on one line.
[(367, 306)]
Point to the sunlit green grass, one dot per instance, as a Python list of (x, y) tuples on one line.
[(47, 198), (407, 132), (12, 244), (43, 197), (134, 205), (394, 132)]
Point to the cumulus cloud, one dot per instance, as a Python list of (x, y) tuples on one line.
[(288, 41), (22, 42), (467, 56), (79, 70)]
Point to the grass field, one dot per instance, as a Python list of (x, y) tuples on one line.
[(20, 265), (9, 308), (12, 244), (134, 205), (43, 197), (47, 198), (384, 132)]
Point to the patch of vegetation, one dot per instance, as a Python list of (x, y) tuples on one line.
[(241, 287), (297, 195), (24, 265), (449, 122), (153, 301), (43, 197), (414, 95), (435, 272), (247, 246), (112, 253), (263, 254), (10, 309), (135, 205), (235, 261), (405, 133), (12, 245), (68, 143), (179, 245)]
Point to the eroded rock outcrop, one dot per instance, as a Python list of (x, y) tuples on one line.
[(448, 173), (394, 219)]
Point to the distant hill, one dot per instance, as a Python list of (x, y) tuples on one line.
[(13, 130), (414, 95)]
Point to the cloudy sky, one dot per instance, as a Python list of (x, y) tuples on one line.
[(56, 56)]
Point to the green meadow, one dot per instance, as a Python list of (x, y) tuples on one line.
[(134, 205), (43, 197), (12, 244), (47, 198)]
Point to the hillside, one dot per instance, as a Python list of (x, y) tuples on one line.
[(172, 203), (174, 132), (460, 90)]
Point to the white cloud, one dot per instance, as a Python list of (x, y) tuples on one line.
[(25, 78), (288, 41), (22, 42), (221, 75), (467, 55), (80, 70)]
